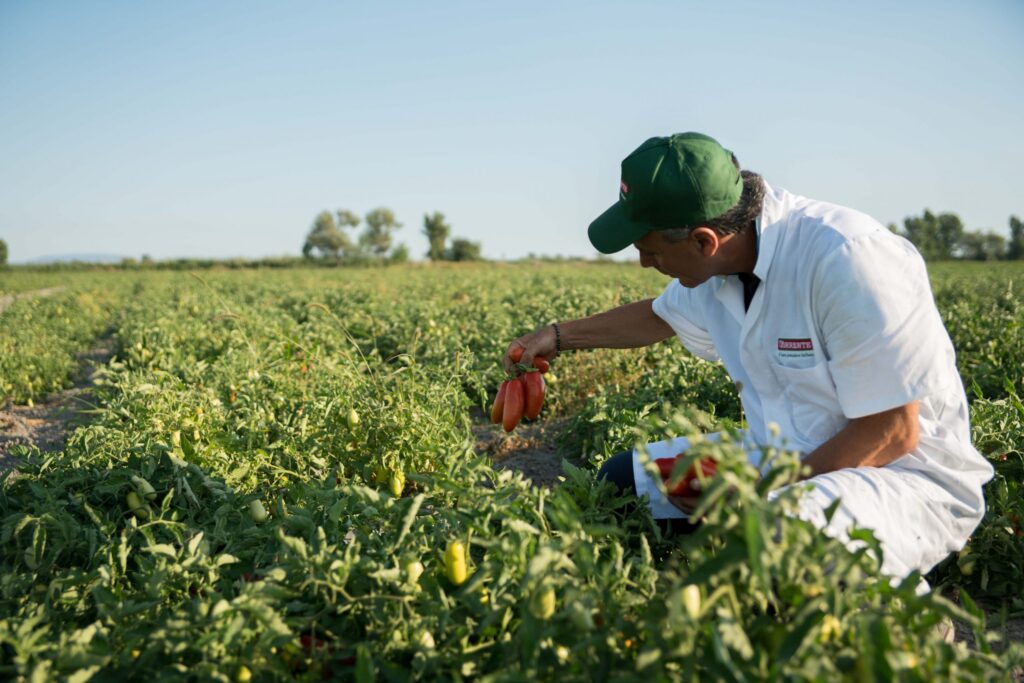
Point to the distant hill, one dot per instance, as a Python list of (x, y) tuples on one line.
[(79, 258)]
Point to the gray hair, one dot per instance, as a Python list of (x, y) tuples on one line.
[(746, 211)]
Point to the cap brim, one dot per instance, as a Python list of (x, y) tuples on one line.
[(613, 231)]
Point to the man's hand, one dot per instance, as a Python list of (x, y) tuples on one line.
[(685, 503), (538, 343)]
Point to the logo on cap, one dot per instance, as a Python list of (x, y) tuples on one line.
[(623, 189)]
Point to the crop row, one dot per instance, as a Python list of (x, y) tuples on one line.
[(281, 461)]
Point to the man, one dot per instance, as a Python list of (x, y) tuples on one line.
[(825, 321)]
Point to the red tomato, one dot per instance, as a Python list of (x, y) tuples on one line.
[(499, 404), (514, 405), (541, 363), (690, 484), (533, 387), (311, 644), (516, 354), (665, 469)]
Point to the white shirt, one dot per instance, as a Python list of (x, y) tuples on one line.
[(843, 325)]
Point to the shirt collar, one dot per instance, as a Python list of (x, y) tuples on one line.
[(769, 224)]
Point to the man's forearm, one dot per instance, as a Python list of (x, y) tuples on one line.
[(870, 441), (628, 326)]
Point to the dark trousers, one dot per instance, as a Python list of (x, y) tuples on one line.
[(618, 469)]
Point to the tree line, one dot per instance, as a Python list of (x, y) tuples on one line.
[(937, 236), (334, 237), (942, 237)]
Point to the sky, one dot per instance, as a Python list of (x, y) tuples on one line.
[(220, 129)]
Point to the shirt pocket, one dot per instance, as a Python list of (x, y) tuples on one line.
[(812, 402)]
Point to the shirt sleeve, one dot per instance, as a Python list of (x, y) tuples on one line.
[(681, 309), (883, 335)]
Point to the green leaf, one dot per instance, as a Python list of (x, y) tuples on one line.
[(755, 546), (161, 549), (296, 545), (365, 671), (193, 544), (84, 674), (812, 616), (409, 518)]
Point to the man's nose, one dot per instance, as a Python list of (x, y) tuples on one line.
[(646, 261)]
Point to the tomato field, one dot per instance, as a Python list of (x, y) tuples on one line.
[(279, 480)]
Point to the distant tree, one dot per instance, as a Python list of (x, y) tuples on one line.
[(376, 237), (1015, 249), (3, 253), (983, 246), (951, 232), (347, 221), (936, 237), (326, 238), (400, 254), (995, 246), (463, 250), (437, 231)]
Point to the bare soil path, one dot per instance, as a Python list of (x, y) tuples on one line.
[(1012, 631), (530, 449), (8, 299), (48, 423)]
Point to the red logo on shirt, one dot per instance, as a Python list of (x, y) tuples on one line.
[(796, 345)]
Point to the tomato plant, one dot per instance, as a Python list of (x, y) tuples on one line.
[(278, 480)]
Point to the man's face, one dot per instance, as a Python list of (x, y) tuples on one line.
[(684, 260)]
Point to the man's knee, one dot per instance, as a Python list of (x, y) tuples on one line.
[(618, 469)]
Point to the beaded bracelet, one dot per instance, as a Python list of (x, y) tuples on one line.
[(558, 338)]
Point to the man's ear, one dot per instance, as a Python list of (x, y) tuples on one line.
[(706, 240)]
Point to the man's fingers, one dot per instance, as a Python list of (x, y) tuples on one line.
[(528, 347), (684, 503), (514, 354)]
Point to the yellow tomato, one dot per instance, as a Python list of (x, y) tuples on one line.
[(455, 563)]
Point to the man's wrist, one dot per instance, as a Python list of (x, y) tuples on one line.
[(558, 338)]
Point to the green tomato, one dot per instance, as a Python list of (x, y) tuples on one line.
[(413, 571), (691, 600), (353, 418), (543, 603), (257, 512), (397, 483), (580, 617), (137, 507), (426, 640), (455, 563), (831, 628)]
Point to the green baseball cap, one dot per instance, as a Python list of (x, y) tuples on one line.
[(679, 181)]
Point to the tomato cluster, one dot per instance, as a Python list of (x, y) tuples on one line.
[(690, 485), (521, 396)]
